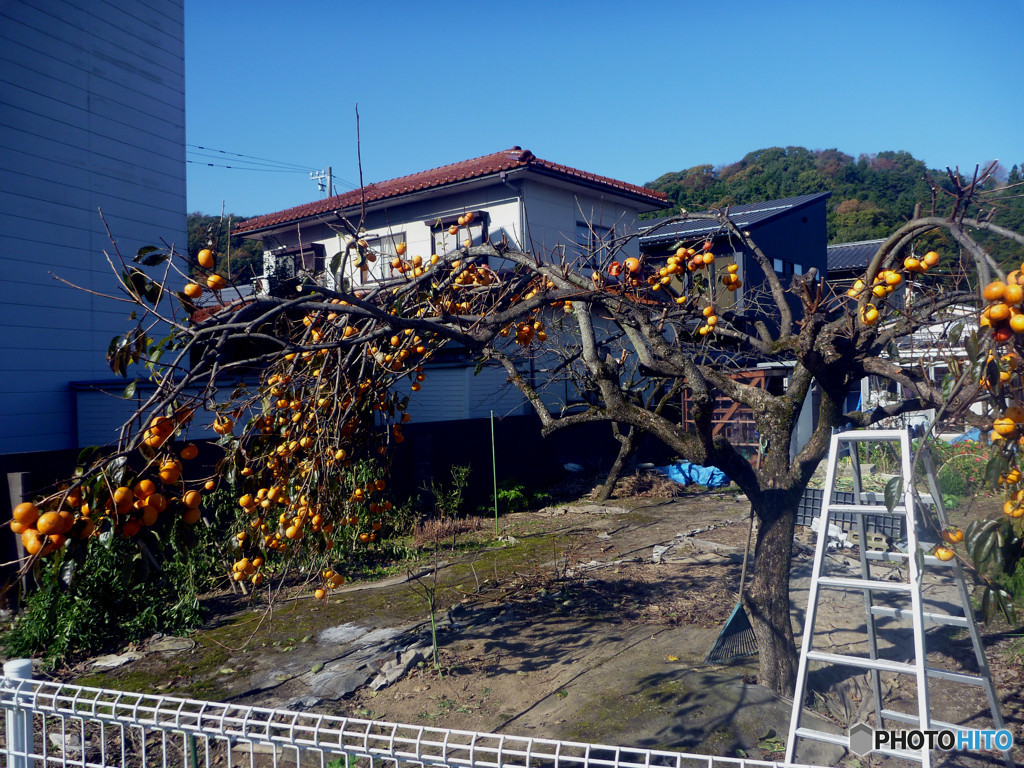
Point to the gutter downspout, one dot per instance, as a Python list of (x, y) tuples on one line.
[(521, 194)]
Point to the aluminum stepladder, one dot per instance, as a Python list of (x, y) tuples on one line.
[(910, 509)]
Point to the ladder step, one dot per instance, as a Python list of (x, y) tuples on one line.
[(870, 436), (903, 556), (868, 509), (844, 741), (885, 665), (904, 717), (956, 677), (900, 753), (934, 618), (873, 585), (832, 738), (882, 665)]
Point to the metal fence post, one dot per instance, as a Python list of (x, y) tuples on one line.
[(19, 721)]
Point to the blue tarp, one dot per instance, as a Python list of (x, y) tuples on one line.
[(687, 473), (972, 434)]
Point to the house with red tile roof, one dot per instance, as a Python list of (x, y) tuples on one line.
[(534, 205)]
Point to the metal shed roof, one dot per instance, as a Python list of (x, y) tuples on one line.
[(845, 256), (748, 215)]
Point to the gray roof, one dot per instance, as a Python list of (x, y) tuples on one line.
[(235, 292), (745, 216), (842, 256)]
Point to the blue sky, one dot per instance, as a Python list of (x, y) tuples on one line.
[(627, 90)]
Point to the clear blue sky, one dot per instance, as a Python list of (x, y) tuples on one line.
[(625, 89)]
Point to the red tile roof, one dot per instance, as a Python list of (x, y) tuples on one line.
[(509, 159)]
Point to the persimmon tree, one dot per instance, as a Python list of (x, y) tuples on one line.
[(307, 387)]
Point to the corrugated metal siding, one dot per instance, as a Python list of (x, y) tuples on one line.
[(91, 117), (101, 411), (490, 390), (455, 393), (100, 416)]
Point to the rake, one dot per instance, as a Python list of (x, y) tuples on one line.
[(736, 639)]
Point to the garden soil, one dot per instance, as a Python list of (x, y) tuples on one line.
[(587, 623)]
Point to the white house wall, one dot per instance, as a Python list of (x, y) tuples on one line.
[(411, 220), (531, 215), (91, 117), (553, 211)]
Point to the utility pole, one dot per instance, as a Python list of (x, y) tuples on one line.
[(324, 180)]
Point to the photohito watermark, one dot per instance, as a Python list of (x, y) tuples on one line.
[(864, 739)]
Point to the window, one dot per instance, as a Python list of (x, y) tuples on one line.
[(728, 299), (447, 234), (782, 267), (382, 251), (284, 268), (593, 239)]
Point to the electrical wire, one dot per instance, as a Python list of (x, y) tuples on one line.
[(253, 163), (280, 163), (240, 168)]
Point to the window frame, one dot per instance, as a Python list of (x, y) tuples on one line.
[(592, 239), (476, 231), (384, 257), (783, 267)]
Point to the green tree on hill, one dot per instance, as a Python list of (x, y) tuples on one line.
[(213, 232)]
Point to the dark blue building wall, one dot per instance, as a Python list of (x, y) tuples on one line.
[(796, 237)]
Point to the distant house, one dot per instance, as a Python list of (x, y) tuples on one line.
[(93, 105), (533, 204), (791, 232)]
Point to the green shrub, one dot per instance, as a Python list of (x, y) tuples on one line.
[(513, 496), (884, 456), (1014, 582), (961, 470), (110, 591)]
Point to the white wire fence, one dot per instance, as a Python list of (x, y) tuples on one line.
[(55, 724)]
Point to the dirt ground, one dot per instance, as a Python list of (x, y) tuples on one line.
[(589, 623)]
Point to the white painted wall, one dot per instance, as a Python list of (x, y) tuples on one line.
[(410, 220), (553, 211), (92, 116)]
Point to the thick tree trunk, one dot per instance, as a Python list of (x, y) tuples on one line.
[(626, 446), (767, 597)]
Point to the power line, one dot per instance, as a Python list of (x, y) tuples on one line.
[(243, 163), (241, 168), (252, 163), (248, 164), (305, 168)]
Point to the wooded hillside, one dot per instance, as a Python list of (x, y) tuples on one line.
[(871, 195), (246, 256)]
